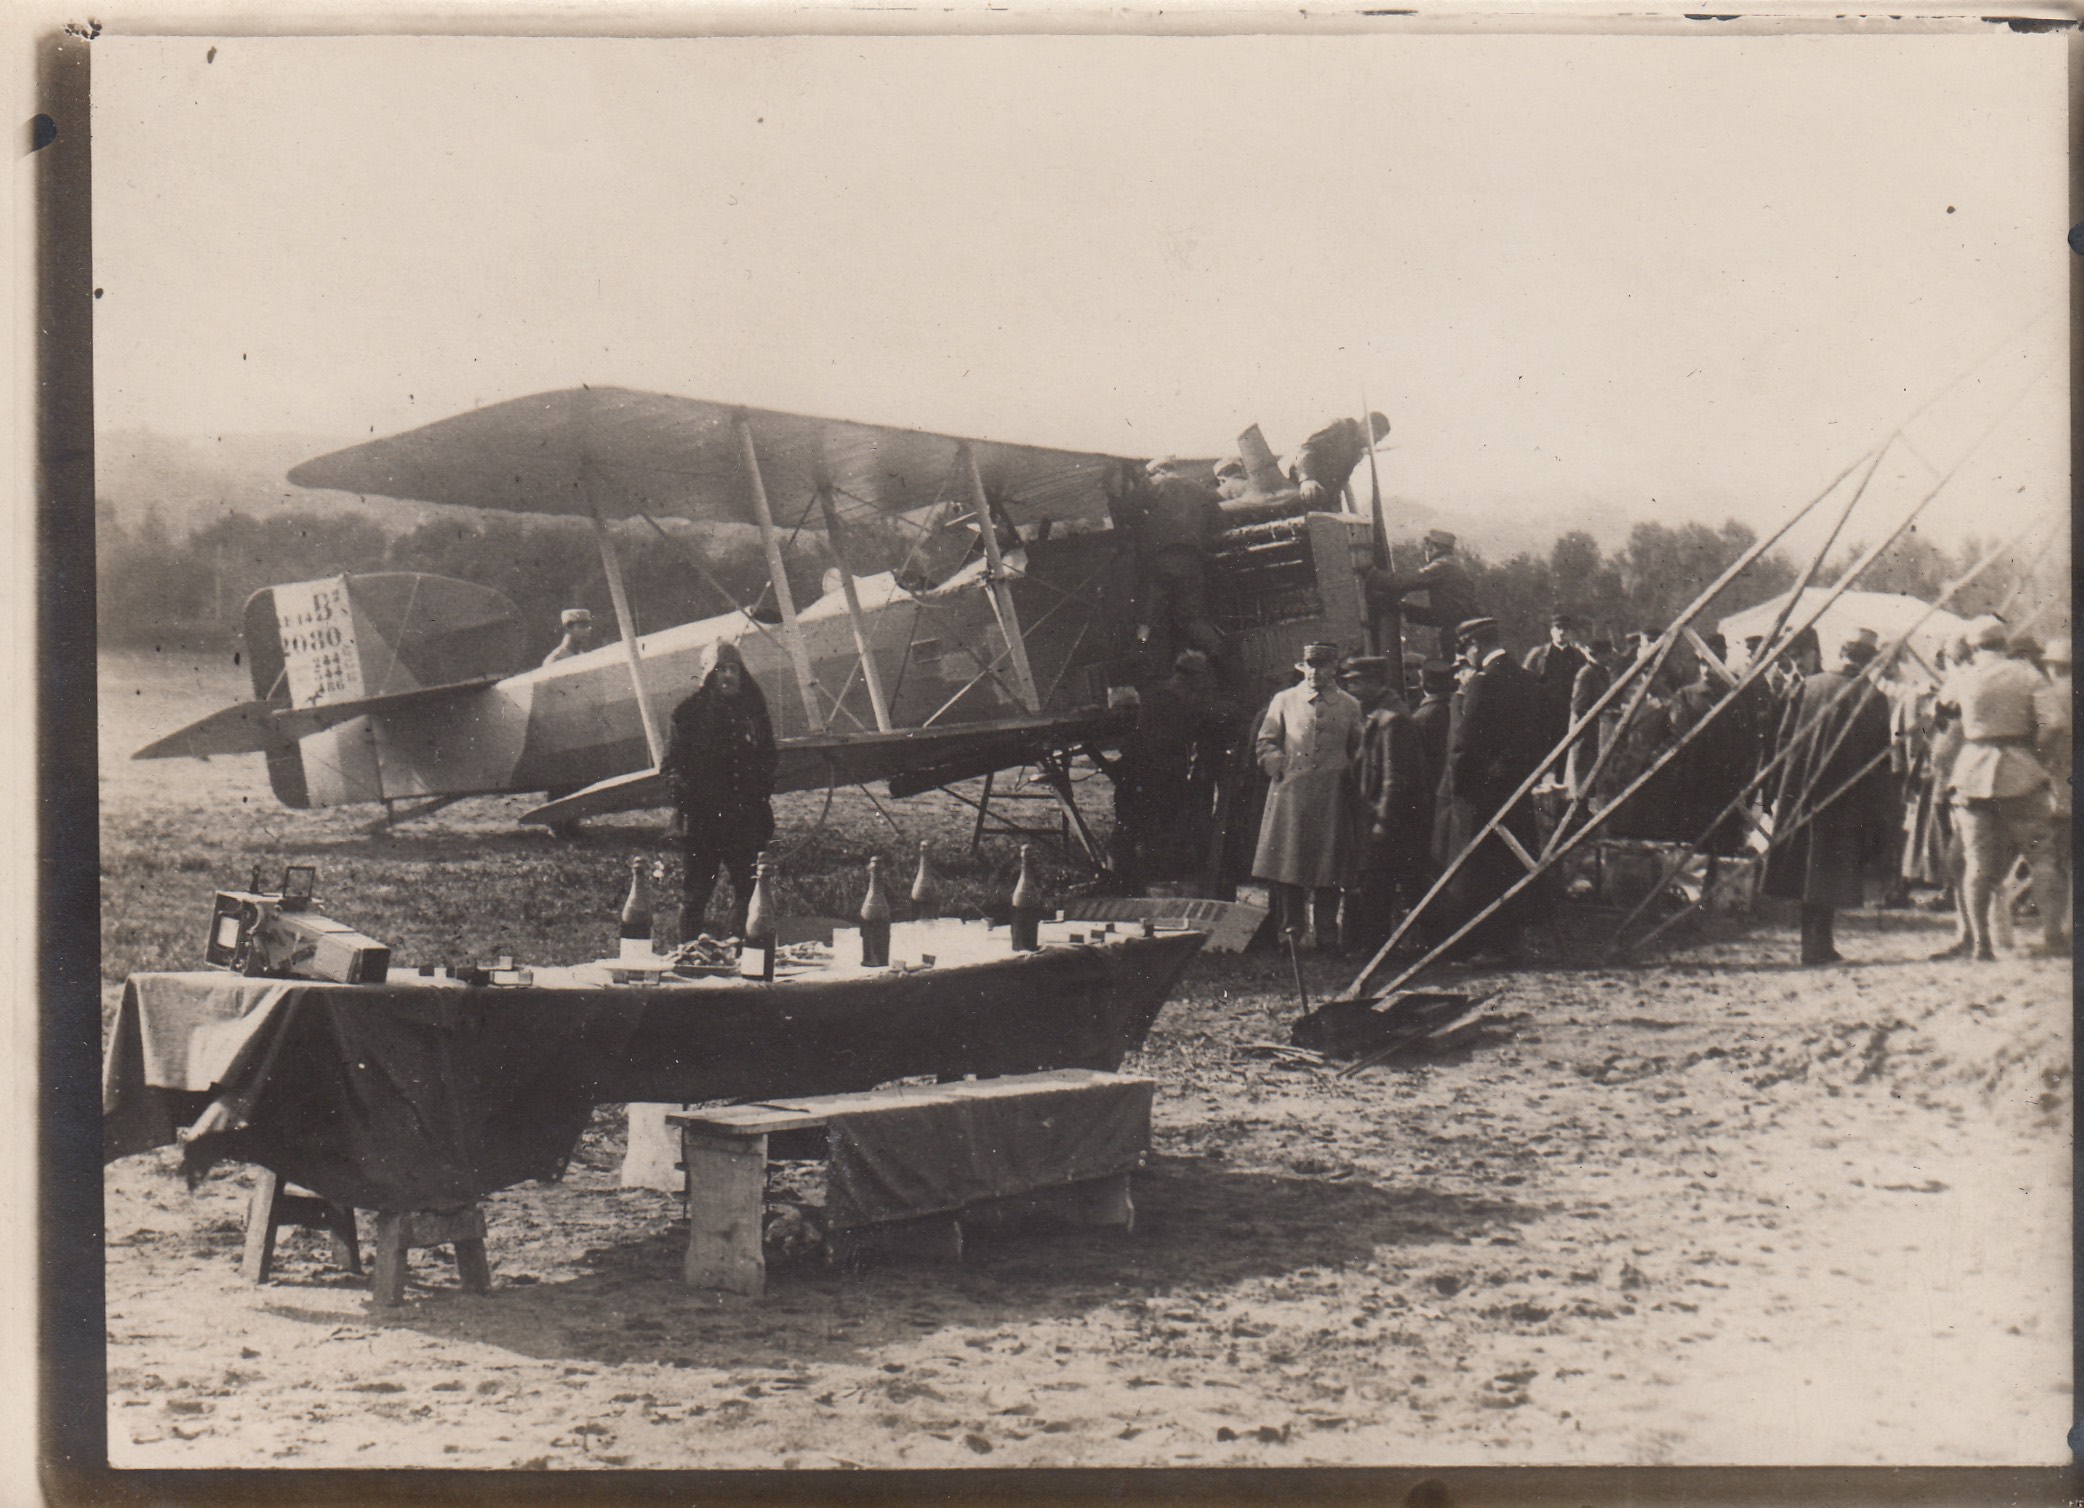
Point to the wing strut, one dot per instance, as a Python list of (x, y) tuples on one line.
[(627, 622), (792, 632), (1002, 590), (869, 674)]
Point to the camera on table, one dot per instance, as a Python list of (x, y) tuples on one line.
[(274, 934)]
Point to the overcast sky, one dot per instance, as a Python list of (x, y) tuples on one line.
[(1708, 273)]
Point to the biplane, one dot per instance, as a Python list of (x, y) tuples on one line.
[(991, 644)]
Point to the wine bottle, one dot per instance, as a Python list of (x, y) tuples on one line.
[(875, 920), (667, 912), (635, 931), (1027, 905), (756, 951), (926, 887)]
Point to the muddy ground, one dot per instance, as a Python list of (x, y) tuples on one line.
[(1710, 1209)]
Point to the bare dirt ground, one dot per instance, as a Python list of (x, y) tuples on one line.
[(1712, 1209)]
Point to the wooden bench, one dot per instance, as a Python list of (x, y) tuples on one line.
[(725, 1151)]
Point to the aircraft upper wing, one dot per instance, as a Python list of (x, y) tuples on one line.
[(629, 452), (912, 759)]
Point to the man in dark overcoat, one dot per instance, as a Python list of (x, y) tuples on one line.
[(1167, 773), (1395, 812), (1431, 718), (1829, 829), (1555, 665), (1715, 767), (1493, 745), (720, 762)]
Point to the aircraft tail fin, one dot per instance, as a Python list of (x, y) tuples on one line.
[(346, 638), (324, 652)]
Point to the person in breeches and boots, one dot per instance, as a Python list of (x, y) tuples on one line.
[(720, 763), (1826, 833), (2000, 787), (1307, 745)]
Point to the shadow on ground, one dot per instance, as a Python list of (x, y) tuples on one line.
[(1198, 1226)]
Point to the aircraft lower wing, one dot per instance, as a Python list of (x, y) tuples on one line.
[(259, 727), (909, 759)]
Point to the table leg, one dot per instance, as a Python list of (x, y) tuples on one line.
[(260, 1227), (726, 1202)]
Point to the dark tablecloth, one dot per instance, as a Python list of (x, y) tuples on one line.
[(421, 1094)]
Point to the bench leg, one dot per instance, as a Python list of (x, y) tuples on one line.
[(472, 1266), (726, 1200), (260, 1227), (347, 1242), (387, 1275), (398, 1232)]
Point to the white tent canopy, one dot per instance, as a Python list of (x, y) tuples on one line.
[(1887, 613)]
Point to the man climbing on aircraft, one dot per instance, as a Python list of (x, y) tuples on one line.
[(720, 763), (1323, 464)]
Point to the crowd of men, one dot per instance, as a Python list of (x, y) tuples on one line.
[(1378, 774)]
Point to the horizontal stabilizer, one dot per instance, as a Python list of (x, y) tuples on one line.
[(247, 728), (264, 728), (636, 791)]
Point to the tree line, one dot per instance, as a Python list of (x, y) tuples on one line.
[(155, 586)]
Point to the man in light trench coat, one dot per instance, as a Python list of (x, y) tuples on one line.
[(1308, 743)]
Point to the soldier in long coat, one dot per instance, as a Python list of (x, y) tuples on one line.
[(1493, 744), (1395, 811), (1824, 842), (720, 762), (1555, 667), (1432, 718), (1308, 742)]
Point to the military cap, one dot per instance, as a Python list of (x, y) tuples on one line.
[(1437, 675), (572, 617), (1440, 537), (1320, 654), (1470, 628), (1358, 666), (1564, 617), (1861, 647)]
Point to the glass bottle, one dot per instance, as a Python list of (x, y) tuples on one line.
[(926, 887), (635, 929), (668, 912), (1027, 905), (756, 952), (875, 919)]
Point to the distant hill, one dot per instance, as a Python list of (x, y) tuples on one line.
[(195, 482)]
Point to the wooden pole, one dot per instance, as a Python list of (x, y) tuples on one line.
[(792, 632), (1599, 817), (1588, 718), (1001, 589), (869, 673), (1871, 674), (1579, 796)]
